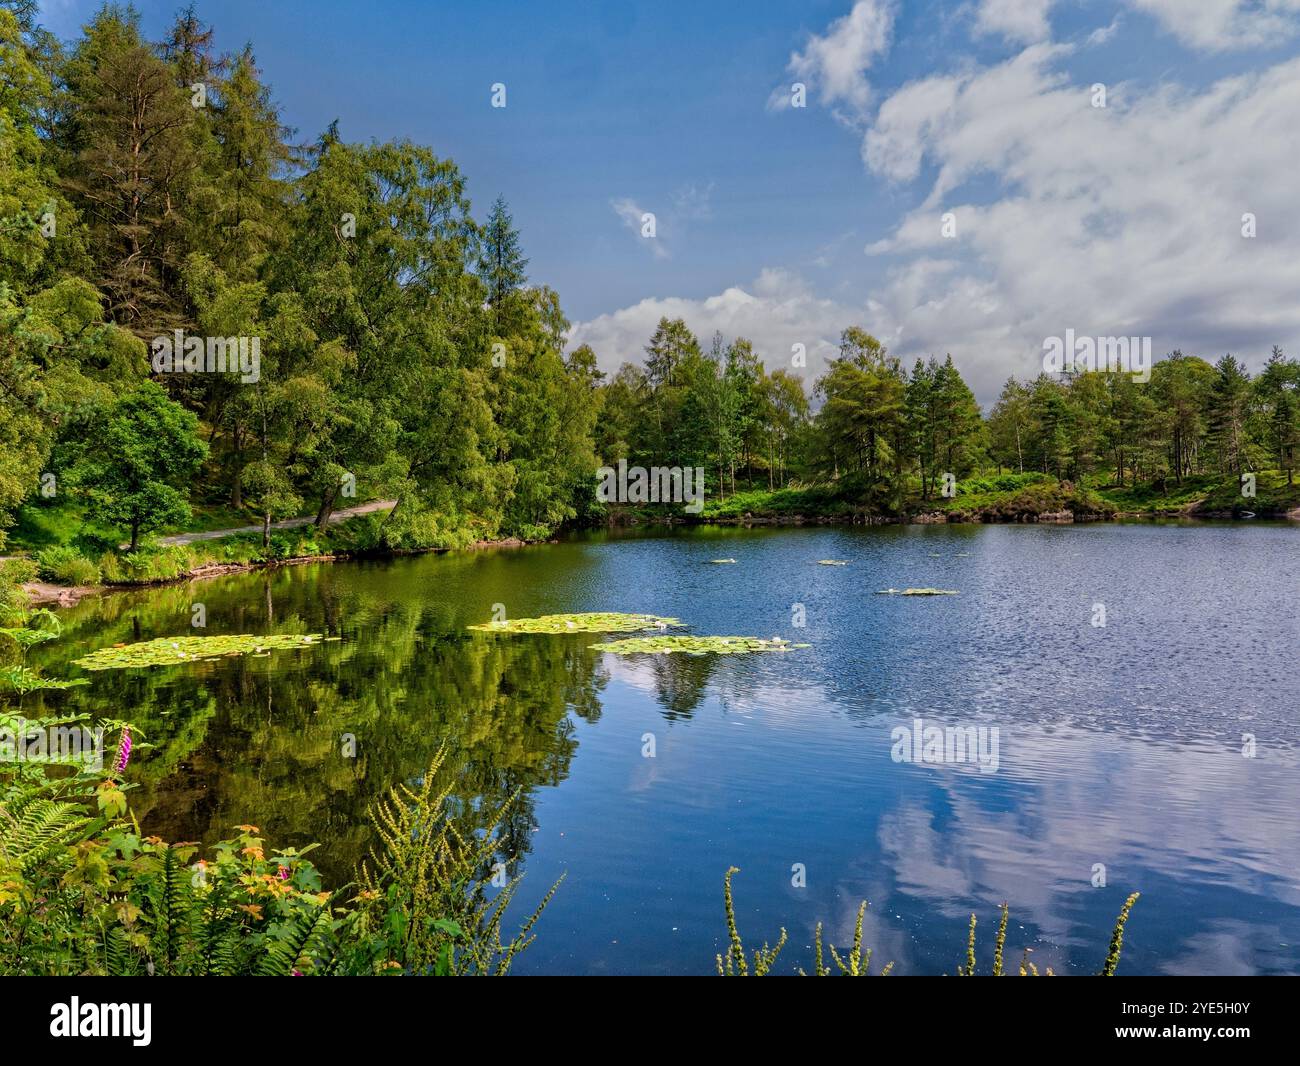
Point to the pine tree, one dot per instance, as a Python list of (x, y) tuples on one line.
[(501, 262), (128, 166)]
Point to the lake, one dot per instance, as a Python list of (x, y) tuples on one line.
[(1119, 745)]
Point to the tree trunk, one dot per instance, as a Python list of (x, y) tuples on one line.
[(326, 508), (237, 488)]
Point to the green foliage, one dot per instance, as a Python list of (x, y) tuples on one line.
[(179, 651), (855, 962), (88, 894), (432, 885), (67, 566), (735, 964), (696, 645), (1117, 937), (138, 455), (589, 622)]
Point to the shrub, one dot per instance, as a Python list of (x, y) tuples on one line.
[(147, 565), (66, 566)]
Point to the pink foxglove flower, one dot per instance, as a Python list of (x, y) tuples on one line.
[(123, 751)]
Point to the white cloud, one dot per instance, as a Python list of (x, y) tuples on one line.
[(1104, 33), (775, 311), (1219, 25), (1125, 220), (1024, 21), (835, 63), (1117, 221), (689, 204), (634, 218)]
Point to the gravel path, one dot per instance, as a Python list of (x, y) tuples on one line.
[(287, 523)]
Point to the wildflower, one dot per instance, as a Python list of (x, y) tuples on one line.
[(283, 873), (124, 751)]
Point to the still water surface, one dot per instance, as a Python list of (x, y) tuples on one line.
[(1119, 745)]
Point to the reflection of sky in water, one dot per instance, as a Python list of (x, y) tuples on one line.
[(1118, 746)]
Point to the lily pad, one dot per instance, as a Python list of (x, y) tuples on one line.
[(179, 651), (695, 645), (917, 592), (591, 622)]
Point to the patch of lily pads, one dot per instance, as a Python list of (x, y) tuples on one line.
[(695, 645), (590, 622), (178, 651), (917, 592)]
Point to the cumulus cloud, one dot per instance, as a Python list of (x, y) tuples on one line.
[(1124, 220), (834, 64), (776, 311), (1219, 25), (1024, 21)]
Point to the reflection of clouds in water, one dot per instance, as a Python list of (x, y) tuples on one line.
[(1212, 824), (1228, 948)]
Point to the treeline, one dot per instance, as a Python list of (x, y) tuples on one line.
[(884, 436), (1192, 417), (148, 188)]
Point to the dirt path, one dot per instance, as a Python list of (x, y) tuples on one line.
[(287, 523)]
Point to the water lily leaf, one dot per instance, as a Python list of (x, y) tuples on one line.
[(695, 645), (590, 622), (180, 651)]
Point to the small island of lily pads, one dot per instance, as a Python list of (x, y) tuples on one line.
[(177, 651), (589, 622), (695, 645)]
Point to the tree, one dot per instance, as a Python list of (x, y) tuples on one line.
[(139, 455), (1229, 408), (242, 203), (1181, 386), (501, 261), (1009, 426), (128, 164), (546, 415), (671, 344), (784, 411), (861, 421), (1277, 418)]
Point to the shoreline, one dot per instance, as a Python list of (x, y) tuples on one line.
[(48, 594)]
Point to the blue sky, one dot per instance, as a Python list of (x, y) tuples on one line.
[(787, 224)]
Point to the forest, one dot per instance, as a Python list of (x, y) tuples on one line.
[(150, 194)]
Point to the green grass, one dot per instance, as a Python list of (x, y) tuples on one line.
[(812, 501), (1208, 493)]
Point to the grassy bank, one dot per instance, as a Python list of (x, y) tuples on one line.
[(1008, 497)]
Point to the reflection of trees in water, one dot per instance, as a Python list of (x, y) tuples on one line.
[(680, 682), (261, 740)]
